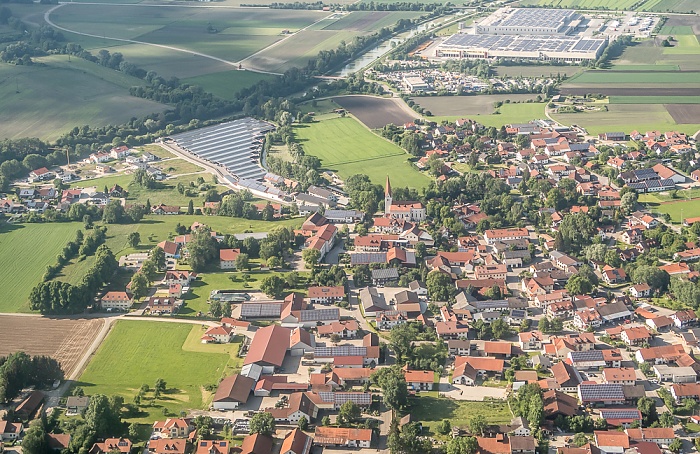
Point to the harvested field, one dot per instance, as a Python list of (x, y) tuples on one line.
[(618, 91), (466, 105), (377, 112), (684, 113), (358, 21), (536, 70), (682, 21), (63, 340)]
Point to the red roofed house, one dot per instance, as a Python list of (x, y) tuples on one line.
[(419, 380), (116, 300), (636, 335), (296, 442), (218, 334), (174, 427), (257, 444), (213, 447), (326, 295), (227, 258), (337, 436), (658, 435), (110, 445)]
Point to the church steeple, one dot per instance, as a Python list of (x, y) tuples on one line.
[(387, 196)]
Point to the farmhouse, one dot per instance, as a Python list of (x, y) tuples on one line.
[(116, 300), (10, 431), (326, 295), (296, 442), (227, 258), (220, 334), (232, 391), (337, 436)]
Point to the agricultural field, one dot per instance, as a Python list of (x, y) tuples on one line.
[(226, 84), (376, 112), (679, 6), (467, 105), (654, 100), (121, 365), (627, 117), (431, 410), (325, 34), (37, 245), (223, 36), (536, 70), (48, 99), (62, 339), (632, 78), (178, 166), (505, 115), (346, 147)]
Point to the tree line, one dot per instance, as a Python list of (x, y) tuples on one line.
[(19, 370)]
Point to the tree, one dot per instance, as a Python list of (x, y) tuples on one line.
[(139, 285), (102, 415), (326, 421), (393, 384), (134, 238), (202, 248), (114, 213), (274, 262), (35, 440), (579, 285), (401, 338), (440, 287), (500, 329), (335, 338), (647, 407), (348, 413), (262, 423), (157, 256), (646, 274), (311, 257), (628, 201), (133, 430), (477, 424), (445, 427), (272, 286), (242, 262), (303, 423), (675, 446), (362, 276), (462, 445), (160, 386), (666, 419), (579, 439)]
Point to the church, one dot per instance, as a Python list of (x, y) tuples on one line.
[(407, 211)]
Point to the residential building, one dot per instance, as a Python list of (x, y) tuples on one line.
[(342, 437), (116, 300)]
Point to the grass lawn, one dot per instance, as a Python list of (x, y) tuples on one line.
[(508, 114), (52, 97), (178, 166), (38, 245), (138, 352), (677, 210), (345, 146), (691, 427), (226, 84), (431, 410)]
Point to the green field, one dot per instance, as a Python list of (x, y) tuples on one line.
[(661, 78), (536, 70), (179, 166), (345, 146), (140, 352), (226, 84), (654, 99), (677, 210), (50, 98), (508, 114), (626, 117), (430, 410), (468, 105), (685, 44), (25, 251), (678, 6), (238, 34)]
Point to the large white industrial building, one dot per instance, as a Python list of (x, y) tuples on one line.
[(526, 33)]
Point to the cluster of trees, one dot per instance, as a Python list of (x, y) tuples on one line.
[(238, 205), (19, 370), (70, 250), (408, 439), (203, 249), (56, 297), (426, 356), (141, 280), (371, 6), (393, 384)]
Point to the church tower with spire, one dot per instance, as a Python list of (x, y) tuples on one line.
[(387, 197)]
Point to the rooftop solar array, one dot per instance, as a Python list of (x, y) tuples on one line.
[(362, 399), (364, 258), (385, 273), (598, 392), (315, 315), (235, 145), (590, 355), (343, 350), (523, 43), (253, 310), (509, 20), (631, 413)]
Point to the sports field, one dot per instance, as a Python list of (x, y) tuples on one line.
[(678, 210), (348, 148), (55, 95), (25, 251), (140, 352)]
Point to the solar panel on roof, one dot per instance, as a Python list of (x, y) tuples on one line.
[(590, 355), (620, 414), (342, 350), (606, 391), (261, 309), (319, 315)]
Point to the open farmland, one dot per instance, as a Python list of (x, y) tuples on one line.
[(348, 148), (536, 70), (679, 6), (52, 97), (64, 340), (226, 84), (123, 363), (229, 34), (627, 117), (377, 112), (504, 115), (37, 245), (466, 105)]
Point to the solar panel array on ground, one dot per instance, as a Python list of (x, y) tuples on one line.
[(343, 350), (235, 145), (253, 310)]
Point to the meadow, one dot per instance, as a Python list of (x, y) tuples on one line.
[(55, 95), (347, 147), (140, 352), (431, 410), (226, 84), (504, 115), (467, 105), (536, 70), (626, 117), (25, 251)]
